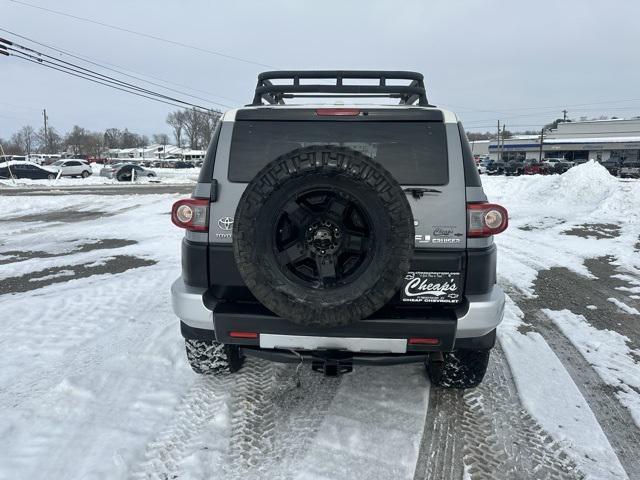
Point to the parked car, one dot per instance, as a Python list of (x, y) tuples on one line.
[(630, 169), (110, 169), (73, 167), (536, 168), (495, 168), (22, 169), (123, 172), (482, 166), (514, 168), (182, 165), (559, 163), (612, 166), (300, 247)]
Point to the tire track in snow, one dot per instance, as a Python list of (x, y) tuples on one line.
[(501, 439), (299, 413), (441, 450), (199, 410), (613, 417), (487, 431), (252, 419)]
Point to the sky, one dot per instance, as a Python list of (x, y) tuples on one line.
[(513, 61)]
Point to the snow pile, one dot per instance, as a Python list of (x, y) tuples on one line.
[(584, 186)]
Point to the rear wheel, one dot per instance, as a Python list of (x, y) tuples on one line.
[(213, 358), (459, 369)]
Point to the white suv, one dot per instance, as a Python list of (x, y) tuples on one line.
[(73, 167)]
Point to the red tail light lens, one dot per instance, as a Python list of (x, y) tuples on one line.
[(191, 214), (486, 219), (337, 112)]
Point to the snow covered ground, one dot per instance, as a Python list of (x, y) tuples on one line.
[(94, 383)]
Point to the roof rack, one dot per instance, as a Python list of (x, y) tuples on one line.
[(274, 94)]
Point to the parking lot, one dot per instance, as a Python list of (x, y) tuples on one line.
[(94, 381)]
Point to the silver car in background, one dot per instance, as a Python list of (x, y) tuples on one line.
[(630, 169), (124, 171)]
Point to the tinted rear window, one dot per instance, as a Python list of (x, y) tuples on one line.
[(414, 152)]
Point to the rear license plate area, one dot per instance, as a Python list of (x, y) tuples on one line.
[(431, 287)]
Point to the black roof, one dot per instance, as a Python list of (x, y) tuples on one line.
[(289, 86)]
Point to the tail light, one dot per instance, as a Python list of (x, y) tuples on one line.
[(337, 112), (191, 213), (486, 219)]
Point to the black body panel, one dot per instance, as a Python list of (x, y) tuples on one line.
[(194, 264), (478, 268)]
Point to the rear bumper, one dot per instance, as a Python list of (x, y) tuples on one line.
[(459, 326)]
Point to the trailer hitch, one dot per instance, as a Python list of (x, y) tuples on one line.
[(332, 367)]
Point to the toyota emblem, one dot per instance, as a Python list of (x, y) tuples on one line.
[(225, 223)]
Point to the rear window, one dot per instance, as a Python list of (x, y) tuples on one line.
[(414, 152)]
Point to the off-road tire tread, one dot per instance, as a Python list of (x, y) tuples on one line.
[(212, 358), (460, 369), (339, 162)]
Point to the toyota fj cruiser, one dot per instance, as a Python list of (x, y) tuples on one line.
[(340, 234)]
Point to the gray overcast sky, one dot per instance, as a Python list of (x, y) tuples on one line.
[(486, 60)]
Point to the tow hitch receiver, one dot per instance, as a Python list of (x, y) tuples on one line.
[(332, 367)]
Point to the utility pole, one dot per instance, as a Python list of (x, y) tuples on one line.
[(498, 145), (46, 133), (564, 115), (541, 142), (504, 127)]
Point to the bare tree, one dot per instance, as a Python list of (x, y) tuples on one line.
[(160, 138), (207, 127), (25, 139), (176, 121), (112, 138), (93, 144), (76, 140), (49, 141), (193, 121)]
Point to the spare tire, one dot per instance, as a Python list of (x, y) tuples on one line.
[(323, 236)]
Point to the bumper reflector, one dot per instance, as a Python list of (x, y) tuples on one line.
[(424, 341), (243, 334)]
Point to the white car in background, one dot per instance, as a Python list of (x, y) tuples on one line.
[(73, 167)]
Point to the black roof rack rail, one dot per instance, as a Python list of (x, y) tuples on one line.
[(272, 94)]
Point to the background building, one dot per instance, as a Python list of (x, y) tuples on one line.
[(576, 141)]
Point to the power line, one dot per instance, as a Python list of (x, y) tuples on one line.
[(68, 72), (142, 34), (502, 110), (39, 58), (94, 61), (91, 73)]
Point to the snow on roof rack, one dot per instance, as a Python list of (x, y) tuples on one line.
[(274, 94)]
